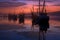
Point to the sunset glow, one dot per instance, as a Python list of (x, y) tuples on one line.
[(27, 6), (28, 9)]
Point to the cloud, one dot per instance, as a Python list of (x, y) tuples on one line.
[(30, 0), (14, 0), (49, 2), (55, 13), (19, 0), (42, 0), (10, 0), (11, 4), (55, 16)]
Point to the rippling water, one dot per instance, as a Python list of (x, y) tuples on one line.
[(27, 22)]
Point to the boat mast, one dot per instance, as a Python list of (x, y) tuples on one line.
[(33, 8), (39, 6), (43, 9)]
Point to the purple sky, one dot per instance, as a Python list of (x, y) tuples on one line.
[(14, 3), (28, 4), (49, 2)]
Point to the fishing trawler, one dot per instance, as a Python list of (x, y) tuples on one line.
[(12, 16), (43, 21), (21, 18)]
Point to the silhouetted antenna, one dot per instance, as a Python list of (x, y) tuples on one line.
[(33, 8), (39, 6), (37, 11), (43, 9)]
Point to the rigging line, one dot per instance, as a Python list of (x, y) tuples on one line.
[(39, 13), (39, 6), (32, 9), (43, 6)]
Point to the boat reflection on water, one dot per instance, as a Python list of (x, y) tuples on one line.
[(18, 19), (27, 21), (12, 17)]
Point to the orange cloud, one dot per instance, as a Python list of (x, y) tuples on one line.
[(53, 8), (27, 9)]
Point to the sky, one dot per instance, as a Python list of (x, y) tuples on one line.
[(17, 6)]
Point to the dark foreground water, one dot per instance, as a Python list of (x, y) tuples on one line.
[(12, 30)]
